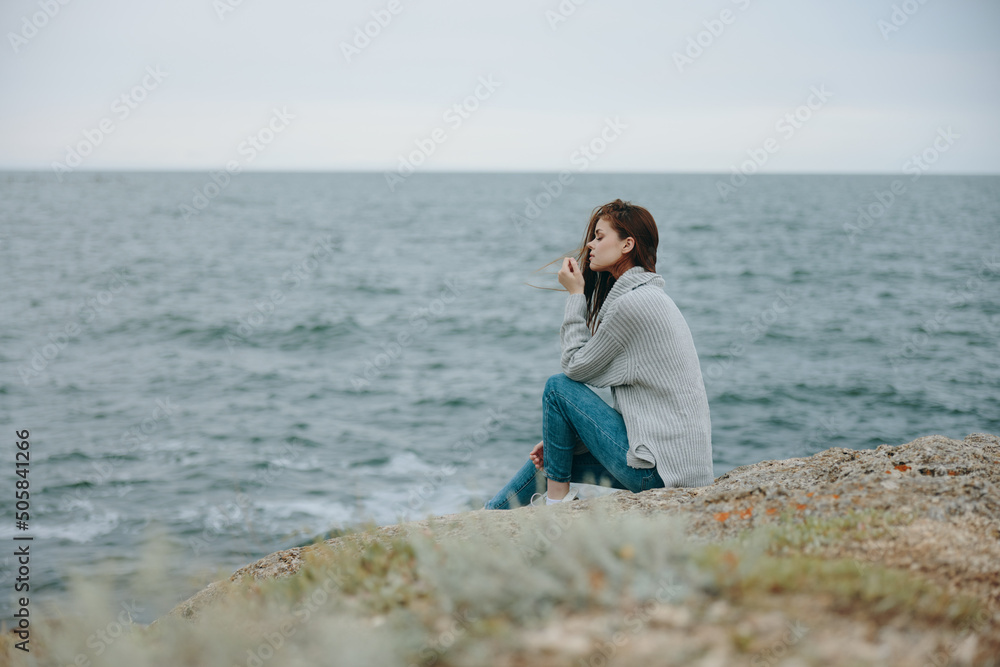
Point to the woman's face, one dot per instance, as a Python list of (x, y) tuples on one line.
[(606, 248)]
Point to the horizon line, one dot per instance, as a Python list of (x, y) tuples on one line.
[(169, 170)]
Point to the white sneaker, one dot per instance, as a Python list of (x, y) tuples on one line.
[(539, 499)]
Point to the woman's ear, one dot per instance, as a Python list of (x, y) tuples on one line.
[(629, 244)]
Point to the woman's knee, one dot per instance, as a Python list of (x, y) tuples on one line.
[(557, 382)]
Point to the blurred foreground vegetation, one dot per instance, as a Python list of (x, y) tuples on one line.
[(573, 588)]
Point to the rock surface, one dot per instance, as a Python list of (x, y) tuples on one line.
[(951, 488), (943, 496)]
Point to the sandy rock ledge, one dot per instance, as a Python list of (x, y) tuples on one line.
[(940, 497)]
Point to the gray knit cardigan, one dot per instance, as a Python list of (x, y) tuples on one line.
[(644, 351)]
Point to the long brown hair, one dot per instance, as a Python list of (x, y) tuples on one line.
[(627, 220)]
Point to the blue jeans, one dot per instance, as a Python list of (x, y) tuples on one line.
[(572, 413)]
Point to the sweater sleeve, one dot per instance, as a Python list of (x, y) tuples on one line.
[(599, 360)]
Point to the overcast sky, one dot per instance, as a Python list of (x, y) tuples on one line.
[(201, 76)]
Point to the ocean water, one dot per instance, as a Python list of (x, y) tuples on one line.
[(295, 353)]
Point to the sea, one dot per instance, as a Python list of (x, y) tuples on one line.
[(212, 367)]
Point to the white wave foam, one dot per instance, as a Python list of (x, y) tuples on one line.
[(79, 531)]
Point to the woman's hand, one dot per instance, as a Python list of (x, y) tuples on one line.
[(536, 455), (570, 276)]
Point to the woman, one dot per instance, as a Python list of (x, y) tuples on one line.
[(620, 329)]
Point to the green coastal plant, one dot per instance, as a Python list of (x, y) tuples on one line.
[(426, 598)]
